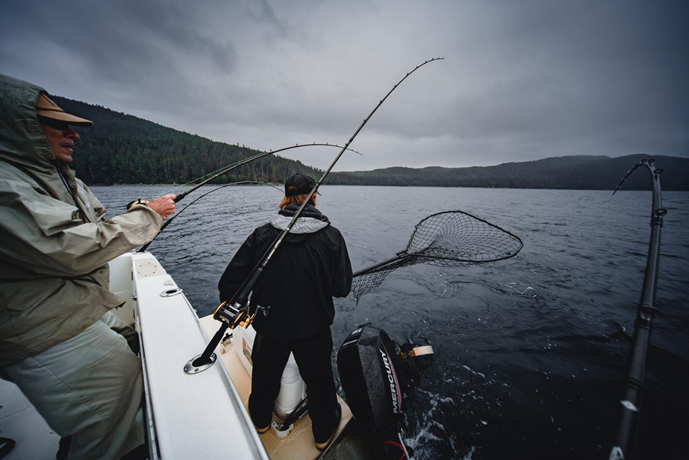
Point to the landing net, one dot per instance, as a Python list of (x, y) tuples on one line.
[(446, 239)]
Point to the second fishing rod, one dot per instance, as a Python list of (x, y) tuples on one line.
[(237, 312), (222, 171), (226, 169)]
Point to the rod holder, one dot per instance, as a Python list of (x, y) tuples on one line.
[(196, 364)]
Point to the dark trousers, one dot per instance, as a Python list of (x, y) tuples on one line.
[(312, 354)]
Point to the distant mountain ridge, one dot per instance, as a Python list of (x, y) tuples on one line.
[(124, 149), (580, 172)]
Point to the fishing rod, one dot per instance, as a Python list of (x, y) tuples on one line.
[(236, 312), (222, 171), (237, 164), (633, 383), (181, 196), (169, 220)]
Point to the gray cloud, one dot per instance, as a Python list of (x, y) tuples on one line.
[(521, 80)]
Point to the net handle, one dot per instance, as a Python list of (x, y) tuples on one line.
[(363, 271)]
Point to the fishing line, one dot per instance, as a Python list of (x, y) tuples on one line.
[(397, 177), (637, 165), (595, 223), (461, 92)]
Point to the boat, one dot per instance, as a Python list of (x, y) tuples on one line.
[(196, 404), (191, 412)]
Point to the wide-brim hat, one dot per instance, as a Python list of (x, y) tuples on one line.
[(299, 185), (46, 108)]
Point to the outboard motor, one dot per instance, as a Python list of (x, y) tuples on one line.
[(369, 364)]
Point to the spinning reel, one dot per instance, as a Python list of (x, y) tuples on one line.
[(236, 314)]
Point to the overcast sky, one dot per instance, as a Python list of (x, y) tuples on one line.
[(521, 80)]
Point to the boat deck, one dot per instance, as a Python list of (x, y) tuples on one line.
[(22, 423), (299, 444), (200, 416)]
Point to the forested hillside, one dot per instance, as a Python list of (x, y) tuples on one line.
[(573, 172), (123, 149)]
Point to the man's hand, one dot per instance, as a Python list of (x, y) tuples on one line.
[(165, 205)]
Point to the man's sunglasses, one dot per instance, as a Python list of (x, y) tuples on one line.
[(55, 124)]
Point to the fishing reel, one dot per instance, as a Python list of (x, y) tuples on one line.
[(231, 315), (236, 314)]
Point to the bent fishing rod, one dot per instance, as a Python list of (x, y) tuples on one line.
[(237, 164), (236, 312), (223, 171), (629, 412)]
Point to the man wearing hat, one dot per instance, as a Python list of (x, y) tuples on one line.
[(57, 334), (310, 267)]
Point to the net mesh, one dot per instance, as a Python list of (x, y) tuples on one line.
[(447, 239)]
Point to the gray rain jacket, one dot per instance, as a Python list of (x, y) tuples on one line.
[(54, 243)]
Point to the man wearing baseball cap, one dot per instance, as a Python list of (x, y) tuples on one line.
[(59, 342), (310, 268)]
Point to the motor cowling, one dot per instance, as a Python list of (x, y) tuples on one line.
[(366, 363)]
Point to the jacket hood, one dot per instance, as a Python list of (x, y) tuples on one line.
[(311, 219), (22, 142)]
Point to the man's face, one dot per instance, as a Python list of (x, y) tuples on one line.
[(60, 138)]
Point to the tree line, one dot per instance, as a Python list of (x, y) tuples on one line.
[(123, 149)]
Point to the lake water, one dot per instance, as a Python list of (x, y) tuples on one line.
[(531, 351)]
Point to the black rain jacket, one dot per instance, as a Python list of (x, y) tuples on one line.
[(310, 267)]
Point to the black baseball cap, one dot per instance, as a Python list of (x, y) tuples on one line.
[(299, 185)]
